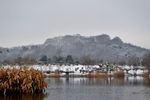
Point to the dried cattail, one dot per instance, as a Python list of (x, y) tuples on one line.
[(22, 80)]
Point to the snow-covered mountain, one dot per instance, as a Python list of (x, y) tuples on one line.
[(100, 47)]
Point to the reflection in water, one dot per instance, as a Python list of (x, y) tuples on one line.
[(130, 88), (24, 97), (101, 81)]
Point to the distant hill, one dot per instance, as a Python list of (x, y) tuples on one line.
[(100, 47)]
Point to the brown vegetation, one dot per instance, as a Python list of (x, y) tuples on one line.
[(22, 80), (146, 74), (118, 74), (97, 75), (54, 75)]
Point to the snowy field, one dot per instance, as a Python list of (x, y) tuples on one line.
[(83, 69)]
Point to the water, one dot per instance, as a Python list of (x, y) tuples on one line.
[(130, 88)]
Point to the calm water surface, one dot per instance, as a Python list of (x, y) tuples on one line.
[(131, 88)]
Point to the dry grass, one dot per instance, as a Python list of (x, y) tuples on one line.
[(118, 74), (22, 80), (146, 75), (97, 75), (54, 75)]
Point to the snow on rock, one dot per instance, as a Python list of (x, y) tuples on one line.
[(132, 72), (139, 72), (127, 67)]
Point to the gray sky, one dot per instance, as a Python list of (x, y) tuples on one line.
[(24, 22)]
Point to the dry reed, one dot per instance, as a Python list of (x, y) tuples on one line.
[(97, 75), (119, 74), (22, 80)]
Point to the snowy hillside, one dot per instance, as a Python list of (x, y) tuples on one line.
[(100, 47)]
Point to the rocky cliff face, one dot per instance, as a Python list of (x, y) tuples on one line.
[(100, 47)]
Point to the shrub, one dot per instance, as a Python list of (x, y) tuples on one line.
[(22, 80)]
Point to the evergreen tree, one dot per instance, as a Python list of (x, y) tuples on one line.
[(69, 59), (44, 59)]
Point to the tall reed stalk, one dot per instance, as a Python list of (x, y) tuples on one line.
[(22, 80)]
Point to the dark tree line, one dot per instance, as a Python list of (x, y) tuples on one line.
[(57, 60), (146, 60), (85, 60), (20, 61)]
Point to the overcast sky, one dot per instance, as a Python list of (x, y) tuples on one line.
[(24, 22)]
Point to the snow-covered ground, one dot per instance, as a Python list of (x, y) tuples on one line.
[(82, 69)]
